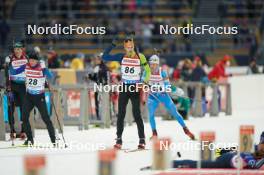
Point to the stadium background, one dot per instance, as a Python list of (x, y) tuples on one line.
[(180, 53), (144, 17)]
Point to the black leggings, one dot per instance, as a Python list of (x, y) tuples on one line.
[(39, 101), (122, 104), (18, 91)]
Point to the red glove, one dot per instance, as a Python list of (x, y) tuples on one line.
[(188, 133)]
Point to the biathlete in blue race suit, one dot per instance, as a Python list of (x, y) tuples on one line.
[(159, 80)]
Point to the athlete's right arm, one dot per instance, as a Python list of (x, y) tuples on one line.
[(18, 70), (112, 57)]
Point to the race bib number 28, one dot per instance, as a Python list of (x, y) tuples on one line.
[(35, 83), (32, 81)]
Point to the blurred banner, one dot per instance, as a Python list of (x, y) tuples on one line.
[(73, 103)]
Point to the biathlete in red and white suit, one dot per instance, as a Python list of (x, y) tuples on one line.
[(36, 74)]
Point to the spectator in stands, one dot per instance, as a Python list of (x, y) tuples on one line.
[(253, 67), (78, 62), (183, 106), (99, 76), (218, 70), (156, 31), (4, 32), (53, 61), (147, 28), (198, 73), (195, 60), (251, 8), (186, 70), (132, 6), (38, 52), (67, 63), (177, 71), (222, 10)]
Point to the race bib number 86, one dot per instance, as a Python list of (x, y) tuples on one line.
[(131, 72)]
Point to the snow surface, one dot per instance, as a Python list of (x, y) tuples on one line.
[(84, 161)]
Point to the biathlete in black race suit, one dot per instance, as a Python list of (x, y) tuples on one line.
[(35, 73), (131, 71)]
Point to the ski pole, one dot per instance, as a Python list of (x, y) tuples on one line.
[(57, 117), (186, 97)]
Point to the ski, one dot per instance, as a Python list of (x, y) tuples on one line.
[(146, 168), (122, 149), (135, 150), (14, 146), (31, 146)]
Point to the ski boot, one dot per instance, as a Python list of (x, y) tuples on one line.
[(54, 143), (154, 135), (22, 136), (188, 133), (29, 143), (142, 143), (12, 135), (118, 144)]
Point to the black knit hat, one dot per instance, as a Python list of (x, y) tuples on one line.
[(32, 55)]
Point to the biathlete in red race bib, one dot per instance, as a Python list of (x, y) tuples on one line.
[(35, 76), (15, 83)]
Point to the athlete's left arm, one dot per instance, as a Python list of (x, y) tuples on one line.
[(47, 73), (178, 91), (144, 63), (165, 77)]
